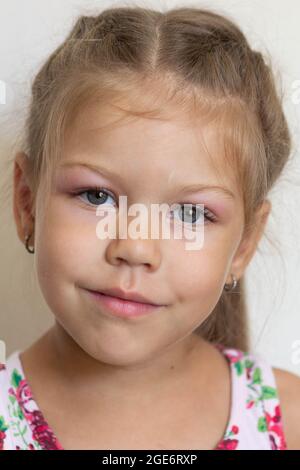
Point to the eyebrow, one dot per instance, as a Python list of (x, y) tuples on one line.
[(90, 166), (184, 189), (194, 188)]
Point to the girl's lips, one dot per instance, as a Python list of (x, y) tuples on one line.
[(123, 308)]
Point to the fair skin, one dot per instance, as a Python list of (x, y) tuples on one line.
[(152, 370)]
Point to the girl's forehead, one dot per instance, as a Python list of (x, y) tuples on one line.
[(105, 116), (191, 143), (101, 124)]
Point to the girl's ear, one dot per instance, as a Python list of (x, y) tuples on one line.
[(22, 197), (249, 244)]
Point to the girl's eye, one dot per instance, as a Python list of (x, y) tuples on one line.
[(96, 196), (191, 214)]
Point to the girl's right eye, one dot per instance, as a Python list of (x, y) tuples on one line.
[(99, 195)]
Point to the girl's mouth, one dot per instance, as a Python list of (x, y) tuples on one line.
[(123, 308)]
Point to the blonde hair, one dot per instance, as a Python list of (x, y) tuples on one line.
[(195, 59)]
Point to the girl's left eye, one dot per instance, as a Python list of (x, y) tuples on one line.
[(192, 214), (98, 195)]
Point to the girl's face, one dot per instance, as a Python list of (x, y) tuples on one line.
[(149, 161)]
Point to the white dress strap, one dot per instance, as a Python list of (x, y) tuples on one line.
[(255, 421)]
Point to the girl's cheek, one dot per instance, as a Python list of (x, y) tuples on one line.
[(67, 211)]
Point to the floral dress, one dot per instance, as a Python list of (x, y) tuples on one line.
[(254, 422)]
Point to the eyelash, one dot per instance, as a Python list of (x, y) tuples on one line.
[(210, 217), (94, 190)]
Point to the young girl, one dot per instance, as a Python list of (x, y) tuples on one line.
[(149, 346)]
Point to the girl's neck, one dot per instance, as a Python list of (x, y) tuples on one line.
[(69, 365)]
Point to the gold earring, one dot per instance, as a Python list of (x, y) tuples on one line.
[(26, 244), (230, 287)]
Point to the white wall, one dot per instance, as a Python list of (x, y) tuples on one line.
[(29, 31)]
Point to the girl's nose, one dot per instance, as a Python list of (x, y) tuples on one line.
[(134, 252)]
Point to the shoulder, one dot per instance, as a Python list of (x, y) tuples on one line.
[(288, 386)]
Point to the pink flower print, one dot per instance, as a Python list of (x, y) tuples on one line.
[(235, 429), (2, 437), (274, 424), (3, 428), (41, 432), (20, 390), (228, 444), (23, 395), (236, 356), (250, 404)]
